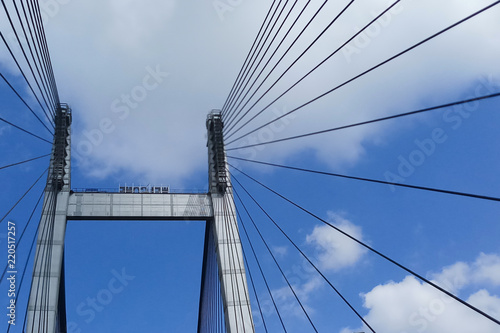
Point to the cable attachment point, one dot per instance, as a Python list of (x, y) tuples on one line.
[(60, 149), (216, 152)]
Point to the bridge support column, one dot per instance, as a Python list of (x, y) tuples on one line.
[(46, 308), (234, 287)]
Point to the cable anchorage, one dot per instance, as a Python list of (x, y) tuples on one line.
[(216, 153), (60, 150)]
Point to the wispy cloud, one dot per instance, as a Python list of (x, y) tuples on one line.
[(334, 250), (282, 251)]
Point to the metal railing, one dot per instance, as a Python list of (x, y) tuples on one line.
[(117, 190)]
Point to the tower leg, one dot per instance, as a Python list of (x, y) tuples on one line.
[(43, 307), (234, 287), (46, 305)]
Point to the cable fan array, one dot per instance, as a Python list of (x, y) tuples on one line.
[(278, 38), (282, 41), (24, 40)]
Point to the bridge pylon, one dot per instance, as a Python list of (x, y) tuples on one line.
[(46, 305), (223, 253), (226, 244)]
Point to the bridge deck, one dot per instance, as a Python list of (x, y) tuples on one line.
[(144, 206)]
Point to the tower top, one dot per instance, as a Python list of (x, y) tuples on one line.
[(216, 153)]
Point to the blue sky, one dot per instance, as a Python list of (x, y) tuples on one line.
[(179, 60)]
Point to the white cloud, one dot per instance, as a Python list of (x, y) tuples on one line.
[(411, 306), (486, 302), (484, 270), (100, 50), (454, 278), (304, 278), (133, 23), (428, 74), (487, 269), (336, 251)]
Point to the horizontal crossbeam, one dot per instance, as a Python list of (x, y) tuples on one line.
[(128, 206)]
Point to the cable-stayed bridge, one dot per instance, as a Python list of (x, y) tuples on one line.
[(228, 299)]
